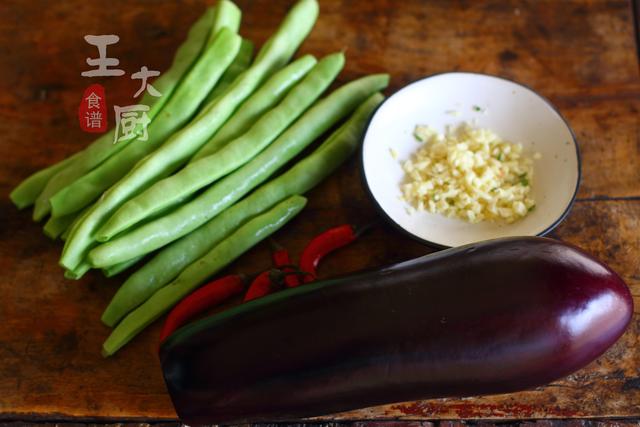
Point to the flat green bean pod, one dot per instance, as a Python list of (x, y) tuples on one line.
[(236, 153), (224, 15), (240, 63), (55, 226), (201, 36), (263, 99), (306, 174), (215, 260), (231, 188), (79, 216), (65, 234), (119, 268), (186, 55), (175, 152), (26, 193), (103, 148), (77, 272)]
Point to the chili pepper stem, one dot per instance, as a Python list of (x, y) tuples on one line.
[(275, 246), (361, 229)]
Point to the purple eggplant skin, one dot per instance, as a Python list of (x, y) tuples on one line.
[(491, 317)]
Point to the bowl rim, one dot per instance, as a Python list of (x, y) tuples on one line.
[(430, 243)]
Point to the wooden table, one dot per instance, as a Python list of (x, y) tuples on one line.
[(581, 54)]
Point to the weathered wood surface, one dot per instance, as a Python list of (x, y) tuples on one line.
[(579, 53), (445, 423)]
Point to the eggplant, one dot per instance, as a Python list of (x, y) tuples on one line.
[(491, 317)]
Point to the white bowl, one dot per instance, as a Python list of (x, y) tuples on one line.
[(514, 112)]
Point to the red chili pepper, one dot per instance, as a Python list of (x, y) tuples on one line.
[(269, 282), (205, 297), (325, 243), (282, 261), (261, 286)]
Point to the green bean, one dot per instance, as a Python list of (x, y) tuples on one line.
[(240, 63), (54, 227), (175, 114), (231, 188), (266, 97), (65, 234), (306, 174), (104, 147), (200, 38), (236, 153), (215, 260), (79, 216), (119, 268), (77, 272), (26, 193), (226, 14), (111, 270), (175, 152)]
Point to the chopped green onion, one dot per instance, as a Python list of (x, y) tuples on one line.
[(523, 179)]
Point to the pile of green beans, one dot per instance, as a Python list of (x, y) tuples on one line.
[(236, 153), (226, 14), (227, 191), (183, 144), (299, 179), (266, 97), (176, 112), (125, 164), (240, 63), (198, 190)]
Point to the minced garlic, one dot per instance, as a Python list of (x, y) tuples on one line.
[(468, 173)]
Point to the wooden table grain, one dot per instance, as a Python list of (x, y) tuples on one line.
[(581, 54)]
